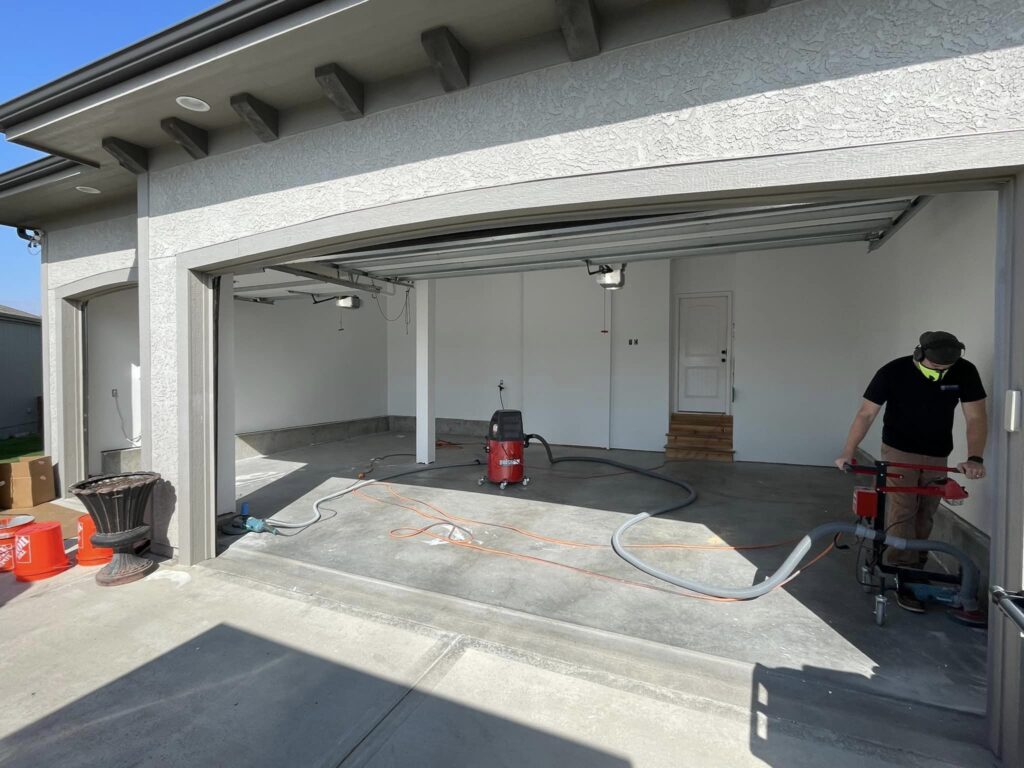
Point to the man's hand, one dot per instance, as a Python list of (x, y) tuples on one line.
[(842, 461), (972, 470)]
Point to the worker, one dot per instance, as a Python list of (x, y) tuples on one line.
[(920, 393)]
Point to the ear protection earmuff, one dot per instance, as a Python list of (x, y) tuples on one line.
[(919, 352)]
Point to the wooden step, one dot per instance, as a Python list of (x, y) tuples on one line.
[(699, 443), (699, 430), (685, 454), (705, 419)]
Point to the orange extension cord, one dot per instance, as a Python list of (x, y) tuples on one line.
[(442, 517)]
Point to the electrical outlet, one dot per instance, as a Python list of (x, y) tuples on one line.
[(501, 383), (113, 393)]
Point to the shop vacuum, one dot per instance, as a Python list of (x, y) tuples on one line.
[(505, 444)]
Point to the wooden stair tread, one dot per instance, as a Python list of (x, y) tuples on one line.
[(715, 419), (700, 430), (684, 454), (714, 444)]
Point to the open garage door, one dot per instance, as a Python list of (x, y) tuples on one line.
[(627, 240)]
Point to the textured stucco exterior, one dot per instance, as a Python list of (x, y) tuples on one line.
[(76, 251), (812, 76)]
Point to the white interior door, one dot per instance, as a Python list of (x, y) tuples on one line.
[(703, 333)]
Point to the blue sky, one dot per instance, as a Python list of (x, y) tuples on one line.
[(44, 39)]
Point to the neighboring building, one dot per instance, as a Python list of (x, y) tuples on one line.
[(796, 193), (21, 372)]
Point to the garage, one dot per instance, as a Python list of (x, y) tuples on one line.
[(809, 298), (677, 236)]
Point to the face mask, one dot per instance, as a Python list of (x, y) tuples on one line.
[(930, 374)]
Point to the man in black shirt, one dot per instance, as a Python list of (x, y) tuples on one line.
[(921, 393)]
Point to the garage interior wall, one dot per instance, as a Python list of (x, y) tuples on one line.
[(541, 333), (293, 367), (112, 363), (812, 325)]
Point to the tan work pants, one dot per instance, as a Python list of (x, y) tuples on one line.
[(908, 515)]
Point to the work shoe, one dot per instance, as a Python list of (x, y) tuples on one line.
[(906, 600)]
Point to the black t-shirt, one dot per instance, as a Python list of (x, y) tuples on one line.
[(919, 412)]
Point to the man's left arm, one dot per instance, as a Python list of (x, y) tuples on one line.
[(977, 436)]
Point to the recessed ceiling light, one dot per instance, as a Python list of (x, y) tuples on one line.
[(88, 190), (193, 104)]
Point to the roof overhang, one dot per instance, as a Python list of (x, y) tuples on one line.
[(9, 315), (223, 22), (270, 68), (49, 188), (272, 49)]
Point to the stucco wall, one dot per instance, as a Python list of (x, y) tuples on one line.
[(76, 249), (814, 75)]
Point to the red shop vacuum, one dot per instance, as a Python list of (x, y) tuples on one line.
[(505, 444)]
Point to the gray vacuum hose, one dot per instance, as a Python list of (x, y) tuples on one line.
[(969, 581), (785, 571)]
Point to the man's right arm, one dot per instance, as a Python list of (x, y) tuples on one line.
[(862, 422)]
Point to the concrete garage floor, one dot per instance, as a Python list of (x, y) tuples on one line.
[(818, 628)]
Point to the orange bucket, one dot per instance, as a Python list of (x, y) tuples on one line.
[(39, 552), (88, 553), (8, 527)]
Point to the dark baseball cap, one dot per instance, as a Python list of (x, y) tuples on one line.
[(941, 347)]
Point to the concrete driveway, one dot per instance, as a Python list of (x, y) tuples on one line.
[(244, 664)]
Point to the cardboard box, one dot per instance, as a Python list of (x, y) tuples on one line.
[(30, 483)]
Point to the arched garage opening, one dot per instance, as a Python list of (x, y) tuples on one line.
[(799, 303)]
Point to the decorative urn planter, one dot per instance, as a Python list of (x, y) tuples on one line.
[(116, 504)]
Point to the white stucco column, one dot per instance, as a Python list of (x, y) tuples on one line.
[(425, 351)]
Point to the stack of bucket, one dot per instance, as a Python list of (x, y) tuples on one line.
[(35, 551), (9, 526)]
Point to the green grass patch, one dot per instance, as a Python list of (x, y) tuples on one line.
[(15, 448)]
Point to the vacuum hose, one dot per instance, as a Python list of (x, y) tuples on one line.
[(968, 587)]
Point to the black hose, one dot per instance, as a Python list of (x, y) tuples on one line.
[(691, 494), (430, 468)]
